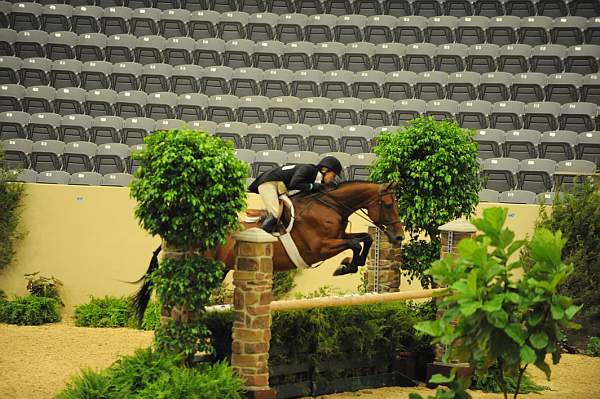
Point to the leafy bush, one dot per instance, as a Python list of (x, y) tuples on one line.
[(115, 312), (434, 164), (190, 189), (489, 383), (577, 216), (492, 318), (11, 198), (350, 333), (593, 347), (43, 286), (283, 282), (29, 310), (148, 374)]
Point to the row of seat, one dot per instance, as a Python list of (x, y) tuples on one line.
[(73, 157), (519, 197), (325, 56), (552, 8), (80, 178), (537, 175), (314, 28)]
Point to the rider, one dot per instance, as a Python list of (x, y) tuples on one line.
[(306, 178)]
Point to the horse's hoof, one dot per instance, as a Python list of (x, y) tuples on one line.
[(346, 261), (344, 269)]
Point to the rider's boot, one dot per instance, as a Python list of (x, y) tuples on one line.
[(269, 224)]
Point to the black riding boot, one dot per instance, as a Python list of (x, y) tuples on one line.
[(269, 224)]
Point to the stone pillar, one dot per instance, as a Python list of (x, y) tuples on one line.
[(253, 282), (390, 260), (451, 234)]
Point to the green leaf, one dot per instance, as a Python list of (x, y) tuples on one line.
[(470, 307), (429, 327), (557, 312), (413, 395), (494, 304), (546, 247), (572, 310), (535, 318), (517, 333), (441, 379), (527, 354), (539, 340), (498, 319)]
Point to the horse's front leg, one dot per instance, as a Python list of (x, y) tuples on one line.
[(367, 241), (333, 246)]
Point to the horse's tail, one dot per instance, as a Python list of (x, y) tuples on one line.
[(142, 297)]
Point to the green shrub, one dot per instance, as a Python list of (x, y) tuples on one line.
[(577, 216), (283, 282), (115, 312), (435, 168), (43, 286), (151, 375), (29, 310), (321, 334), (593, 347), (489, 383), (11, 198)]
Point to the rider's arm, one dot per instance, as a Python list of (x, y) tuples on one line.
[(303, 178)]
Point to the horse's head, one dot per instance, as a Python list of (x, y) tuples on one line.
[(383, 211)]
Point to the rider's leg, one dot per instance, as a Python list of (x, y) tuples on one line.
[(269, 194)]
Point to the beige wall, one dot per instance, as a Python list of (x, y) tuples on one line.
[(88, 238)]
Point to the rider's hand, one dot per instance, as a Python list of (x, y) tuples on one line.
[(318, 187)]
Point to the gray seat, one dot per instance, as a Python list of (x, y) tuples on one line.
[(570, 172), (111, 158), (232, 131), (209, 127), (503, 29), (500, 173), (115, 20), (135, 129), (191, 106), (86, 19), (267, 159), (276, 82), (349, 28), (30, 43), (9, 69), (35, 72), (440, 29), (261, 26), (91, 47), (578, 116), (232, 25), (346, 111), (399, 85), (65, 73), (592, 31), (25, 15), (482, 58), (121, 48), (389, 57), (174, 23), (126, 76), (169, 124), (319, 28), (79, 156), (359, 56), (327, 56), (186, 79), (215, 80), (410, 29), (252, 109), (536, 175), (131, 103), (116, 179), (541, 116), (431, 85), (24, 175), (11, 96), (514, 58), (368, 84), (407, 110), (75, 128), (290, 27), (302, 157), (549, 198), (150, 49), (13, 125), (535, 30), (268, 54), (474, 114), (100, 102), (442, 109), (324, 138), (377, 112), (418, 57), (517, 197), (246, 81), (588, 146), (306, 83), (337, 84), (507, 115), (471, 29), (44, 126), (203, 24), (46, 155), (16, 153), (144, 21), (61, 45), (558, 145), (53, 177), (85, 179), (179, 50), (495, 86), (360, 165), (563, 87), (528, 87), (238, 53), (522, 144), (380, 29), (548, 58), (293, 137), (262, 136), (96, 75), (356, 139), (161, 105), (283, 110), (56, 17), (314, 110), (222, 108), (298, 55), (590, 88), (156, 77), (209, 51), (491, 143), (106, 129), (69, 100), (38, 99), (582, 59), (487, 195)]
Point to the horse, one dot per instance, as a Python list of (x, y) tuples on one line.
[(319, 230)]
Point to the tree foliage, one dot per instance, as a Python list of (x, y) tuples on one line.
[(11, 197), (491, 317), (434, 164)]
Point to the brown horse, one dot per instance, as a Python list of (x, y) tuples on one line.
[(320, 229)]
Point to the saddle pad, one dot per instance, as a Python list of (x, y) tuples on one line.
[(290, 247)]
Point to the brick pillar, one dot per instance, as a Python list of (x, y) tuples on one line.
[(451, 234), (390, 261), (253, 282)]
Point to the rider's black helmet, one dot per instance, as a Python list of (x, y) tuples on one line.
[(331, 163)]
